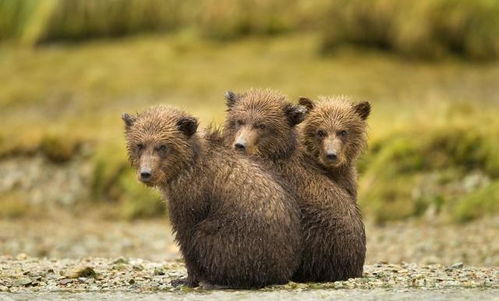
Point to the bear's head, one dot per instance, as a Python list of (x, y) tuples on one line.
[(334, 131), (262, 123), (160, 143)]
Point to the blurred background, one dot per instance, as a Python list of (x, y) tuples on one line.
[(429, 182)]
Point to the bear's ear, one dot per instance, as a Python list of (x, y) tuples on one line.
[(363, 109), (231, 98), (307, 103), (295, 114), (188, 125), (128, 119)]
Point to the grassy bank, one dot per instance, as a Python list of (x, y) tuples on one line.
[(449, 170), (421, 29), (35, 22), (433, 133)]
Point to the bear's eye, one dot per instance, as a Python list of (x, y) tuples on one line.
[(321, 133), (140, 146), (342, 133), (239, 122), (260, 126), (162, 148)]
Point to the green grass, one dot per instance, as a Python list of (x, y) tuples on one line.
[(34, 22), (482, 202), (433, 127), (443, 169), (423, 29)]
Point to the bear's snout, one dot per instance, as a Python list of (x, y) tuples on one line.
[(145, 175), (240, 146), (331, 156)]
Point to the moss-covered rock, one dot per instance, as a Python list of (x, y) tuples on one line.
[(476, 204), (59, 148), (408, 173)]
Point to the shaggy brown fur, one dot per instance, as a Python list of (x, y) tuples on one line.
[(235, 224), (334, 134), (263, 121)]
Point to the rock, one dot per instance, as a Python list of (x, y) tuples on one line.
[(23, 282), (65, 281), (120, 260), (85, 272), (457, 265)]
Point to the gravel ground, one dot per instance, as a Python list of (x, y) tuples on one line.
[(137, 275), (43, 259), (421, 242)]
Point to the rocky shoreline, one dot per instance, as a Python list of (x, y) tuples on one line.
[(72, 237), (22, 273)]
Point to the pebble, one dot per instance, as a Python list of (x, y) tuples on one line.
[(22, 282), (149, 278), (82, 272), (120, 260)]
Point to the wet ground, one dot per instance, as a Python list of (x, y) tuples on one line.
[(80, 259), (337, 295), (422, 242)]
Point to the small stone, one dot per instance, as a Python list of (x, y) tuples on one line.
[(22, 256), (23, 282), (457, 265), (119, 267), (120, 260), (159, 271), (65, 281), (85, 272)]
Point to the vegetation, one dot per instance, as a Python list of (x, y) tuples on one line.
[(422, 29), (429, 29), (433, 138), (449, 171), (34, 22)]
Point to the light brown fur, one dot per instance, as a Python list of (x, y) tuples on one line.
[(334, 125)]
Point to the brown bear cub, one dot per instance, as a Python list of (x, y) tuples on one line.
[(262, 124), (334, 134), (235, 224)]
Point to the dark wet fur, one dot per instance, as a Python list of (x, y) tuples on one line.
[(235, 224), (332, 227)]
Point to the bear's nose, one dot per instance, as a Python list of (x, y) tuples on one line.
[(239, 146), (331, 156), (145, 175)]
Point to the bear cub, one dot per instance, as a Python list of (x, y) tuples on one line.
[(262, 124), (334, 135), (237, 227)]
